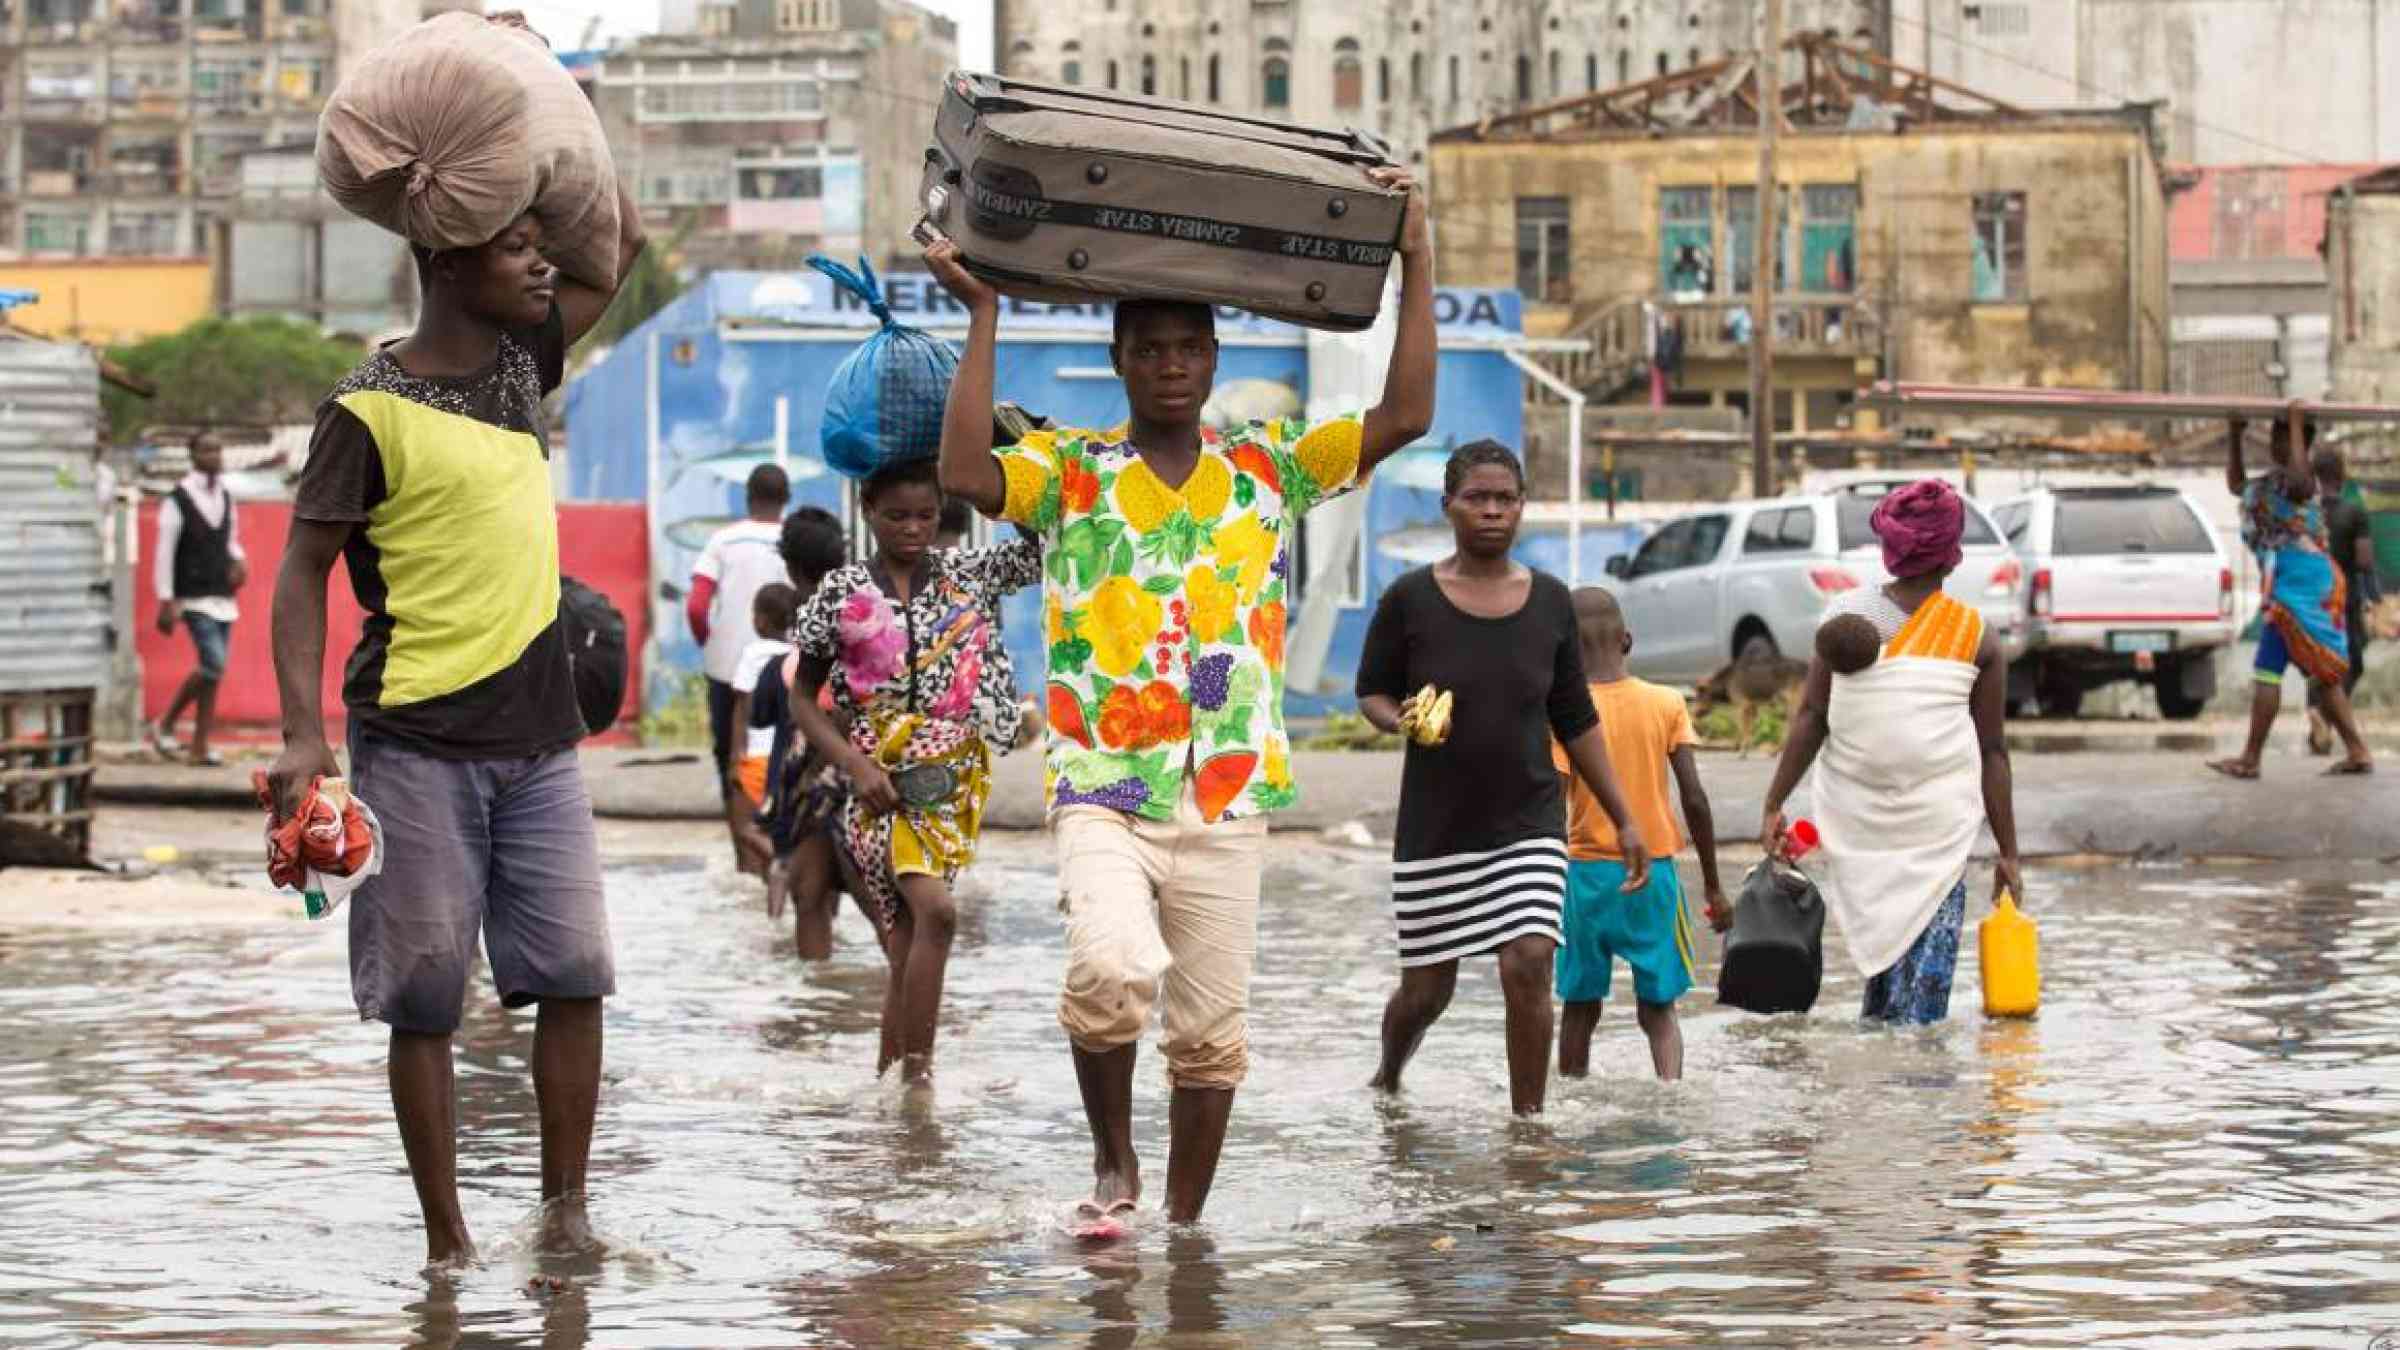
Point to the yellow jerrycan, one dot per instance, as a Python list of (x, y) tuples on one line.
[(2012, 961)]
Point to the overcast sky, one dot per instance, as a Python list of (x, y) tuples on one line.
[(563, 21)]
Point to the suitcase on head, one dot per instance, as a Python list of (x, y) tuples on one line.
[(1055, 193)]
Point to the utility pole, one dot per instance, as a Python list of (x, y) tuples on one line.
[(1767, 78)]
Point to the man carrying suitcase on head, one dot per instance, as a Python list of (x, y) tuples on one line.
[(1165, 601)]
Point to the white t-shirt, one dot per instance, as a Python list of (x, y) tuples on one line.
[(753, 662), (740, 558)]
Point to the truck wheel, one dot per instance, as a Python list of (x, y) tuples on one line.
[(2060, 698), (2174, 704)]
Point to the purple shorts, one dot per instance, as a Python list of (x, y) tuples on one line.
[(504, 847)]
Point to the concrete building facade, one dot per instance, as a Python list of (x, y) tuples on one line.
[(2241, 83), (1400, 69), (1921, 234), (765, 130), (122, 126), (2362, 261)]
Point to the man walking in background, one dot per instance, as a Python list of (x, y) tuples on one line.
[(198, 569), (739, 559)]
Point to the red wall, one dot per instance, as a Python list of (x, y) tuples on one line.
[(605, 545)]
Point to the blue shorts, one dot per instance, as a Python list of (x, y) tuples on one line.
[(209, 637), (1648, 928), (2274, 655)]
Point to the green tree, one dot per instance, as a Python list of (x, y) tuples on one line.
[(255, 371)]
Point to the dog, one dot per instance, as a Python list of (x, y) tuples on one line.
[(1758, 676)]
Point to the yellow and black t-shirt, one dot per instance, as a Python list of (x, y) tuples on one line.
[(456, 558)]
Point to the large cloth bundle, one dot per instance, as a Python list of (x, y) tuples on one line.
[(450, 132), (884, 403), (1067, 194)]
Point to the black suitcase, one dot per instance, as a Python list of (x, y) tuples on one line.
[(1775, 956), (1056, 193)]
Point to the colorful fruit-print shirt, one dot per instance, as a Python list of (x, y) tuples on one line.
[(1164, 610), (940, 654)]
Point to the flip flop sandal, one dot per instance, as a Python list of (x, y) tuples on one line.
[(2352, 768), (2234, 769), (211, 760), (1092, 1223)]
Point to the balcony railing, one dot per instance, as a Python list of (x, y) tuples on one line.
[(140, 183), (58, 182), (1825, 325)]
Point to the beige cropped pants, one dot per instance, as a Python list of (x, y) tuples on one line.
[(1164, 913)]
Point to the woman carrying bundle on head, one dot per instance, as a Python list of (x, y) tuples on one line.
[(907, 643), (1476, 659)]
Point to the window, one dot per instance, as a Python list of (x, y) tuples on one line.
[(730, 99), (807, 16), (1349, 76), (1556, 87), (1687, 262), (1183, 78), (1999, 246), (1216, 88), (300, 78), (1854, 508), (2090, 523), (779, 182), (1070, 71), (2001, 20), (1692, 57), (1791, 530), (1591, 72), (1828, 237), (1542, 253), (1150, 75), (1416, 75), (1275, 77), (1112, 74), (1524, 79), (1741, 219), (143, 234), (1454, 79), (1383, 79), (1624, 66), (299, 8), (2012, 521), (1708, 538), (1662, 552), (55, 232), (1662, 63)]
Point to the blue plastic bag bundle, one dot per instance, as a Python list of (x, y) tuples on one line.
[(884, 403)]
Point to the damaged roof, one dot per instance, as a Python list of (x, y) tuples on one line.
[(1841, 88)]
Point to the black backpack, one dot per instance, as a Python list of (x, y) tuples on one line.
[(595, 634)]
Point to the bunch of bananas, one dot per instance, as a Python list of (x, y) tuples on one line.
[(1425, 717)]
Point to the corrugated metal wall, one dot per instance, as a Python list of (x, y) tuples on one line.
[(54, 609)]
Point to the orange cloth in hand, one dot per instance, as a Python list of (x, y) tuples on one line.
[(329, 835)]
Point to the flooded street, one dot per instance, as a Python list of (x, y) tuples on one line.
[(2197, 1143)]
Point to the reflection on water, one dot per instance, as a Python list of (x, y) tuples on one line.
[(2196, 1143)]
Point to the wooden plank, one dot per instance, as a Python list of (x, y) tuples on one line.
[(2112, 404), (62, 773)]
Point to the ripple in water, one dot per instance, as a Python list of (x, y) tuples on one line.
[(2195, 1144)]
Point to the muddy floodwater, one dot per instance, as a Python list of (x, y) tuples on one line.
[(2198, 1143)]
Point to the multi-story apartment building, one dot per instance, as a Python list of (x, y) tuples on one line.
[(1402, 68), (759, 131), (122, 122)]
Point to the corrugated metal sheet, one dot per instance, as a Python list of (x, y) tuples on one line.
[(54, 609)]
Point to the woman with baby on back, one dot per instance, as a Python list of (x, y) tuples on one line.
[(1902, 720)]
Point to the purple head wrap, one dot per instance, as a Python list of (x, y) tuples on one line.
[(1920, 526)]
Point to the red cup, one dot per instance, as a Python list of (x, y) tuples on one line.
[(1800, 840)]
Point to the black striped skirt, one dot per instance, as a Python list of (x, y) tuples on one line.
[(1473, 904)]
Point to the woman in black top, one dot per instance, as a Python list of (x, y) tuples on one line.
[(1479, 863)]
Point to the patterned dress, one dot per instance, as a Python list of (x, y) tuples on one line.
[(924, 683), (2305, 598)]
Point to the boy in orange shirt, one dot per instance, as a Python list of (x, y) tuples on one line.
[(1648, 730)]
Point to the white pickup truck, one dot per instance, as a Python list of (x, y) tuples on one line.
[(2125, 582), (1717, 581)]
